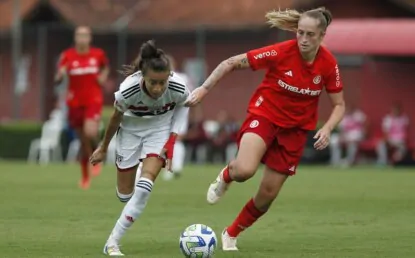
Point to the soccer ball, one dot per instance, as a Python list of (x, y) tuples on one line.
[(198, 241)]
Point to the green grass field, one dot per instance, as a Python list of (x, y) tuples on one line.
[(321, 212)]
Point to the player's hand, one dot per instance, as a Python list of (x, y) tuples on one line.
[(168, 151), (60, 74), (323, 138), (98, 156), (101, 79), (196, 97)]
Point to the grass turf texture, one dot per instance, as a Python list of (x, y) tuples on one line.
[(321, 212)]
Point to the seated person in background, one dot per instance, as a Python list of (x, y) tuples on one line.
[(395, 130), (195, 136), (224, 136), (352, 130)]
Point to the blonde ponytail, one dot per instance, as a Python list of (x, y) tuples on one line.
[(284, 20), (288, 19)]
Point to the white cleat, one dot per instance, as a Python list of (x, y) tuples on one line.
[(112, 250), (217, 189), (228, 242)]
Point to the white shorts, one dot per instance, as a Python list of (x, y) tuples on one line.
[(132, 147)]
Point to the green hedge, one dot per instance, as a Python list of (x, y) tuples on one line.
[(15, 139)]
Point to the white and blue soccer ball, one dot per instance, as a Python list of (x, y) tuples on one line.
[(198, 241)]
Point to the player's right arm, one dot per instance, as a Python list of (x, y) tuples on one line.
[(255, 59), (123, 97), (60, 73)]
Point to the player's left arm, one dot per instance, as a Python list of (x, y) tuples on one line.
[(179, 120), (334, 88), (105, 68), (180, 114)]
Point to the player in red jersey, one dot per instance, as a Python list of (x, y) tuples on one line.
[(281, 112), (87, 69)]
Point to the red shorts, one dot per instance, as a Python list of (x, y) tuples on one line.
[(78, 115), (284, 145)]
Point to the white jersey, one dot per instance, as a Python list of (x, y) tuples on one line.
[(141, 112)]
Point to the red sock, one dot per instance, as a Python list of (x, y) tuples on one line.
[(248, 215), (85, 168), (226, 177)]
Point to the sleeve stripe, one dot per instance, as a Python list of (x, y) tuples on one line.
[(131, 88), (178, 85), (128, 95), (131, 91), (182, 91)]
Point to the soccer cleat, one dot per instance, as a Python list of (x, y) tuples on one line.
[(217, 189), (84, 183), (228, 242), (112, 250)]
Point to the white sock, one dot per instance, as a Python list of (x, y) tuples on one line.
[(138, 173), (132, 209), (179, 155)]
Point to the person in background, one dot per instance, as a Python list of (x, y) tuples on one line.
[(86, 69), (352, 130), (395, 127)]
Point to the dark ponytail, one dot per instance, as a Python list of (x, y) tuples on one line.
[(150, 57)]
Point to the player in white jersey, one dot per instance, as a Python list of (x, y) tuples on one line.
[(179, 154), (149, 113)]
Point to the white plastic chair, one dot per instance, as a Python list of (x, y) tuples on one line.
[(47, 147), (73, 150)]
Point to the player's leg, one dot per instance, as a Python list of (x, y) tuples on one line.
[(152, 165), (270, 186), (281, 160), (75, 117), (128, 148), (255, 135), (91, 131), (135, 206)]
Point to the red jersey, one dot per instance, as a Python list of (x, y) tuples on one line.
[(83, 70), (288, 95)]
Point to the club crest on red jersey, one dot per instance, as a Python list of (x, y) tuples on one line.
[(317, 79)]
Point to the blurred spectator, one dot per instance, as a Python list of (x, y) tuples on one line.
[(195, 137), (225, 135), (395, 136), (352, 130)]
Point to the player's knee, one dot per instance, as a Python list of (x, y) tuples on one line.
[(124, 195), (90, 133), (91, 129), (242, 170), (150, 174)]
